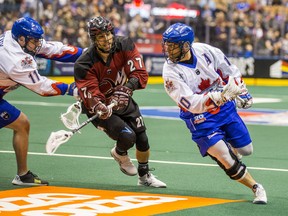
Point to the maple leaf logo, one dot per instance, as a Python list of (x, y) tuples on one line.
[(169, 85), (204, 84), (27, 62)]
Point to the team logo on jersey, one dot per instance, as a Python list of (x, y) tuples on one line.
[(205, 83), (27, 62), (197, 72), (169, 86), (199, 119), (5, 115), (106, 86), (121, 78)]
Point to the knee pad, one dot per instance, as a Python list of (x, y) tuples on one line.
[(126, 139), (142, 143), (237, 171)]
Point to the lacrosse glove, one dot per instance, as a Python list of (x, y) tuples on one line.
[(229, 92), (244, 100), (73, 91), (103, 110), (122, 96)]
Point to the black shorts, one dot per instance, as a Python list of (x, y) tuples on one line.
[(130, 116)]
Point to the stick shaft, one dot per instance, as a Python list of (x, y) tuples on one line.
[(85, 123)]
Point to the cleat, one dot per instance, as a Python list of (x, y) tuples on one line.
[(29, 179), (125, 163), (150, 180), (260, 194)]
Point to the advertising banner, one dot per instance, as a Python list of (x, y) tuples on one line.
[(249, 67)]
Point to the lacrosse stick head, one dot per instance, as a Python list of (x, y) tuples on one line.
[(71, 118), (56, 139)]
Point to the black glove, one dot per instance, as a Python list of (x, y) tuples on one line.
[(122, 96)]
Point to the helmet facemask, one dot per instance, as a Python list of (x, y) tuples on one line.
[(174, 52), (104, 42), (36, 43)]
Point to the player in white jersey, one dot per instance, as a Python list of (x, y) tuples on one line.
[(18, 67), (207, 88)]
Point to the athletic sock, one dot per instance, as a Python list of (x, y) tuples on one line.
[(143, 168)]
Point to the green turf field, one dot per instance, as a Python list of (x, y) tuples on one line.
[(85, 162)]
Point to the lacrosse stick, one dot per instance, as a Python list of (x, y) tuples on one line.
[(59, 137), (71, 118)]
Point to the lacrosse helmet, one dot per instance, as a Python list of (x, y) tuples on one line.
[(178, 34), (31, 30), (99, 25)]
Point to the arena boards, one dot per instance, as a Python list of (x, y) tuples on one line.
[(159, 80)]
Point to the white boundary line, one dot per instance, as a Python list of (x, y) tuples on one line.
[(153, 161)]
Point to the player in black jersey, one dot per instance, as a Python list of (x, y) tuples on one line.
[(110, 70)]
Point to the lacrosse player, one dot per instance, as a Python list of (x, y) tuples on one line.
[(18, 67), (110, 70), (204, 84)]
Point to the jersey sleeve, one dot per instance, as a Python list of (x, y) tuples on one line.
[(58, 51), (134, 66), (180, 92), (26, 74), (223, 66)]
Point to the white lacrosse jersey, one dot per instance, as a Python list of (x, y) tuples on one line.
[(19, 68), (187, 84)]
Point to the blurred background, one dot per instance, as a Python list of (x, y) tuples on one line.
[(253, 33)]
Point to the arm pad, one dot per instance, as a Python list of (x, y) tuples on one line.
[(133, 83)]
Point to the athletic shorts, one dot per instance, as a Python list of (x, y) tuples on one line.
[(8, 113), (226, 125), (129, 117)]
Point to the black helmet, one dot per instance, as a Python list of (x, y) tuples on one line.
[(97, 25)]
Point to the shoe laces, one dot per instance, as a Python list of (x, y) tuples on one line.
[(149, 174), (257, 190)]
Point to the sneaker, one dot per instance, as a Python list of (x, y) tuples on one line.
[(260, 194), (125, 163), (150, 180), (28, 179)]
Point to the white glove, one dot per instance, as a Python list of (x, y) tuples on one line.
[(217, 98), (244, 100), (230, 91), (73, 91)]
